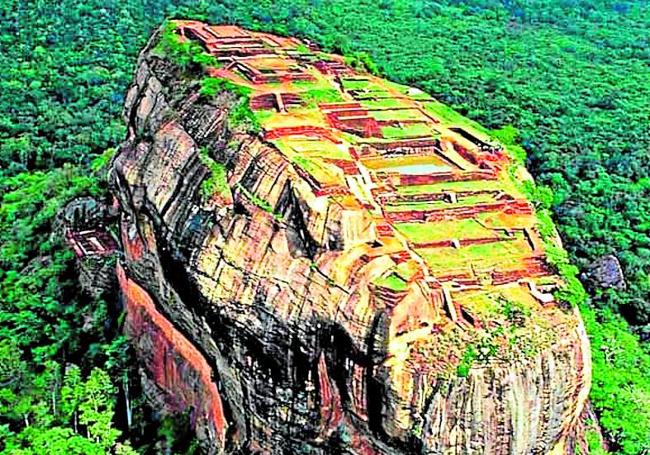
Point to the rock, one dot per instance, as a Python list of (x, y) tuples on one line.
[(83, 224), (330, 297), (606, 272), (81, 213)]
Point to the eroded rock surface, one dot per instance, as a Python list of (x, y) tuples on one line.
[(606, 272), (362, 275)]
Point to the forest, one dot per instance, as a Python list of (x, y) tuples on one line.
[(570, 77)]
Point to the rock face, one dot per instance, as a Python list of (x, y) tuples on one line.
[(334, 263), (82, 223), (606, 272)]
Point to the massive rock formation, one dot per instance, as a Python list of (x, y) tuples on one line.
[(317, 260)]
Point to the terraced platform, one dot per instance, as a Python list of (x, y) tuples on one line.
[(439, 192)]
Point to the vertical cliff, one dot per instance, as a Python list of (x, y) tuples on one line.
[(320, 261)]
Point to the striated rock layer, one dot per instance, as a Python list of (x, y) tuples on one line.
[(334, 263)]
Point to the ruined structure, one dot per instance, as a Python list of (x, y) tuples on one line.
[(83, 224), (362, 273)]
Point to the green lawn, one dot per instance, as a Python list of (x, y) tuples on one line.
[(497, 254), (382, 103), (263, 115), (444, 230), (393, 282), (406, 131), (438, 204), (321, 95), (356, 84), (398, 114), (457, 187), (448, 115)]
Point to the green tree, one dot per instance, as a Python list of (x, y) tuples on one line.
[(97, 407)]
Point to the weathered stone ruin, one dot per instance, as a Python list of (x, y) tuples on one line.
[(83, 224)]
